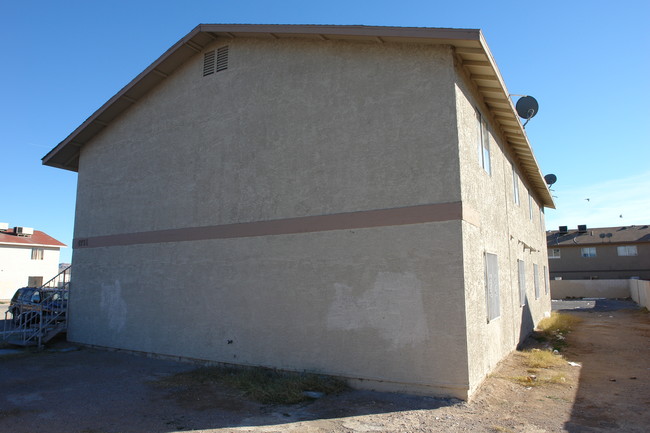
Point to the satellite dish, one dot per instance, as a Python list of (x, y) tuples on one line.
[(527, 107), (550, 179)]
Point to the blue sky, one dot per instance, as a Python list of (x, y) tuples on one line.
[(586, 62)]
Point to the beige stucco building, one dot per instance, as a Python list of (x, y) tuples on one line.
[(346, 200)]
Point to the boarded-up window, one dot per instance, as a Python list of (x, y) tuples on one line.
[(492, 286), (536, 280), (522, 282), (545, 281)]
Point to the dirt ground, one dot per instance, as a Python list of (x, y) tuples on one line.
[(70, 389)]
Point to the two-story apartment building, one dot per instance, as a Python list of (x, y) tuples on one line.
[(355, 201), (599, 253)]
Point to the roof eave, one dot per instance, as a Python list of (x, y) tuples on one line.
[(485, 75)]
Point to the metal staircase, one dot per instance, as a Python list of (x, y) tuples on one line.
[(36, 323)]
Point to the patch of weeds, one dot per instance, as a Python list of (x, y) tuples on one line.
[(525, 380), (555, 328), (264, 385), (500, 429), (558, 322), (557, 378), (532, 380), (536, 358)]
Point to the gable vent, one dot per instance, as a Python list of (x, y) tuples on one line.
[(222, 58), (208, 63)]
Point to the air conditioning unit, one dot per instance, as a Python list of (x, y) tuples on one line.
[(23, 231), (4, 227), (582, 228), (564, 230)]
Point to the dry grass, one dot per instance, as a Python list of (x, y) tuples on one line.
[(260, 384), (532, 380), (558, 323), (537, 358), (555, 328), (542, 368), (500, 429)]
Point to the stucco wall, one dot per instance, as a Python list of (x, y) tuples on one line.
[(291, 129), (561, 289), (505, 229), (16, 266), (640, 292), (383, 304)]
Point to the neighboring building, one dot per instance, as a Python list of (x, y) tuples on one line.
[(356, 201), (599, 253), (28, 258)]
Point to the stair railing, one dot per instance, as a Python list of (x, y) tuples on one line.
[(50, 314)]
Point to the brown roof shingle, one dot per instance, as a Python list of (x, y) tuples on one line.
[(600, 235), (39, 238)]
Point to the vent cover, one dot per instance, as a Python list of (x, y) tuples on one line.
[(222, 59), (208, 63), (215, 61)]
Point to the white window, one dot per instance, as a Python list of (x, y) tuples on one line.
[(522, 282), (515, 185), (37, 253), (554, 253), (530, 206), (588, 252), (492, 286), (483, 143), (627, 250), (536, 280)]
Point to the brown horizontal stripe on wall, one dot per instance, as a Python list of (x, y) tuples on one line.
[(310, 224)]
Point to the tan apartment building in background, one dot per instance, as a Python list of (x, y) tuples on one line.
[(607, 253)]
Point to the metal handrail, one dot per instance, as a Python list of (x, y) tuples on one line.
[(64, 273), (55, 316)]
